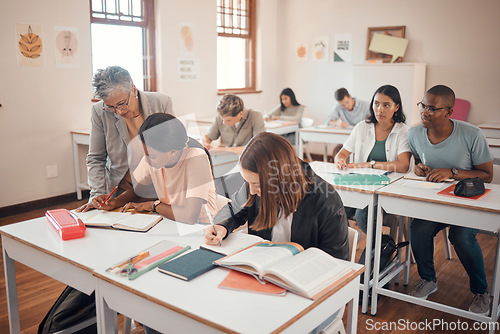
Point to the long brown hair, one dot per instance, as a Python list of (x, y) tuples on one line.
[(283, 183)]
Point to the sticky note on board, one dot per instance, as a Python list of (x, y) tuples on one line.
[(395, 46)]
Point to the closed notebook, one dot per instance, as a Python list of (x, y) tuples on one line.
[(191, 265)]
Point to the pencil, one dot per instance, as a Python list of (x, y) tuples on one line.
[(100, 206), (211, 221)]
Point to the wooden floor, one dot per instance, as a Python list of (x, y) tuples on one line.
[(37, 292)]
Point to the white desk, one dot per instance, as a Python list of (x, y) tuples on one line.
[(494, 144), (424, 203), (36, 244), (327, 135), (79, 138), (157, 299), (169, 304), (359, 196), (490, 130)]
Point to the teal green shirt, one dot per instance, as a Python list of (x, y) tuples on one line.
[(378, 151)]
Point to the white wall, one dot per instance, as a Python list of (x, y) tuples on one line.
[(42, 105), (457, 39), (201, 97)]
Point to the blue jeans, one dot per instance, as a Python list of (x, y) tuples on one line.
[(466, 246)]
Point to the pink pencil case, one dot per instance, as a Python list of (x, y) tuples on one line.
[(66, 224)]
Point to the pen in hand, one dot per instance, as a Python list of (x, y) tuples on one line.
[(211, 221), (100, 206)]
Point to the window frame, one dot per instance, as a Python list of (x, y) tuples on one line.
[(251, 64), (150, 77)]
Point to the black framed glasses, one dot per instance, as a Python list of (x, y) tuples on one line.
[(430, 109), (122, 106)]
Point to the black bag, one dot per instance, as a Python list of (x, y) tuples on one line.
[(388, 254), (71, 308), (469, 187)]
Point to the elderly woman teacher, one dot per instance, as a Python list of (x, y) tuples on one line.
[(115, 120)]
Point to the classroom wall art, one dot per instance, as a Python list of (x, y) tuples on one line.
[(342, 48), (189, 69), (29, 41), (301, 52), (186, 40), (66, 51), (320, 48)]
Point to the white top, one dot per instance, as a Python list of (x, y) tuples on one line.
[(282, 231), (362, 139)]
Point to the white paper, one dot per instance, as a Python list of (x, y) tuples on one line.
[(422, 184), (184, 229)]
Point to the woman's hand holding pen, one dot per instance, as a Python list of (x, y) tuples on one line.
[(97, 202), (340, 163), (214, 239)]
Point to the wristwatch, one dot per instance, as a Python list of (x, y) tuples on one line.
[(155, 204), (454, 171), (372, 163)]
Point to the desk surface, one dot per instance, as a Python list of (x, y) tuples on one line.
[(327, 129), (493, 142), (492, 126), (489, 202)]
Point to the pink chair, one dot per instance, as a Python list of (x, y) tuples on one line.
[(460, 110)]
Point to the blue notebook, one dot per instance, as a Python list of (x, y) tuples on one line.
[(191, 265)]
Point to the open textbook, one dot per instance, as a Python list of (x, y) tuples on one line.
[(310, 273), (119, 220)]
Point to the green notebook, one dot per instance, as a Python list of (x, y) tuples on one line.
[(191, 265), (360, 179)]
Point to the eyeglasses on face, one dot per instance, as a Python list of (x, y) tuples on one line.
[(121, 106), (430, 109)]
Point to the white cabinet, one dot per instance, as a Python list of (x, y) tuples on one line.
[(408, 78)]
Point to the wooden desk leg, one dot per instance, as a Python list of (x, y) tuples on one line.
[(352, 312), (106, 318), (11, 289), (76, 161)]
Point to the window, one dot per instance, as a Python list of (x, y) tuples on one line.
[(236, 46), (123, 34)]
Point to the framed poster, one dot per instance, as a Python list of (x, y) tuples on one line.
[(397, 31)]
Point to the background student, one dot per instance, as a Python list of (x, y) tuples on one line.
[(180, 173), (348, 111), (380, 142), (234, 124), (288, 109), (447, 148), (114, 122), (283, 200)]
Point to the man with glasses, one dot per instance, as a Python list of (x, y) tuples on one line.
[(446, 148), (115, 121)]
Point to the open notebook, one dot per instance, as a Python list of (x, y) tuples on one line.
[(119, 220)]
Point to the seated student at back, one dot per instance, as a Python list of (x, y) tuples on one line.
[(282, 199), (446, 148), (348, 111), (288, 110), (235, 125), (180, 173)]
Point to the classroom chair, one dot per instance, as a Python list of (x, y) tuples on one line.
[(460, 110), (306, 123), (337, 326)]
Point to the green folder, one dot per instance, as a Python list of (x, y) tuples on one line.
[(360, 179)]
